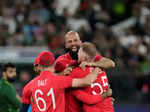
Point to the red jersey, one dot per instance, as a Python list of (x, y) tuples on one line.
[(97, 88), (72, 103), (76, 97), (45, 93), (63, 62)]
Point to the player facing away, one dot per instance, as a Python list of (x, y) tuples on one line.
[(45, 93), (95, 98), (87, 52)]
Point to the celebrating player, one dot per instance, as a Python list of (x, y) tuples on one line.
[(72, 45), (87, 52), (73, 95), (46, 92)]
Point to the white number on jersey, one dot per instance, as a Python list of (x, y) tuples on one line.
[(51, 92), (99, 86)]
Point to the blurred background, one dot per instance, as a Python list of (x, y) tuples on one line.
[(119, 28)]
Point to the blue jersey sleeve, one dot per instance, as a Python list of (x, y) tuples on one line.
[(29, 109)]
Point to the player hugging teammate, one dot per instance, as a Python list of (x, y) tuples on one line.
[(46, 93)]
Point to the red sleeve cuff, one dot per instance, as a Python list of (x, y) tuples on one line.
[(25, 101), (98, 57)]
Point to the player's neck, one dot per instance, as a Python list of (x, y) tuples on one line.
[(48, 69)]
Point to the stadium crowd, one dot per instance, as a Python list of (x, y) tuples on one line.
[(45, 22)]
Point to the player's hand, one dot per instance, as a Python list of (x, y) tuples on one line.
[(109, 92), (113, 100), (67, 71), (83, 65), (98, 69), (18, 97)]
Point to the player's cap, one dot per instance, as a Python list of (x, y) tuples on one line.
[(36, 61), (62, 64), (46, 58)]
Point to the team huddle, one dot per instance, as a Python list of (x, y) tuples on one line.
[(74, 82)]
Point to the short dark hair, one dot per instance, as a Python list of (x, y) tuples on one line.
[(11, 65)]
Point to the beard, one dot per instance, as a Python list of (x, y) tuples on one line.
[(11, 79), (73, 54)]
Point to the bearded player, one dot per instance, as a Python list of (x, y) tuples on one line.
[(72, 45)]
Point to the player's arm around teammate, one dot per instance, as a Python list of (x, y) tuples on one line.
[(46, 60), (86, 81), (84, 96), (104, 63)]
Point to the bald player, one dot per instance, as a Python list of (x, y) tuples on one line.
[(72, 45)]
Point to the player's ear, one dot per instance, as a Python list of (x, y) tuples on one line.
[(4, 75), (40, 67), (66, 45), (86, 56)]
